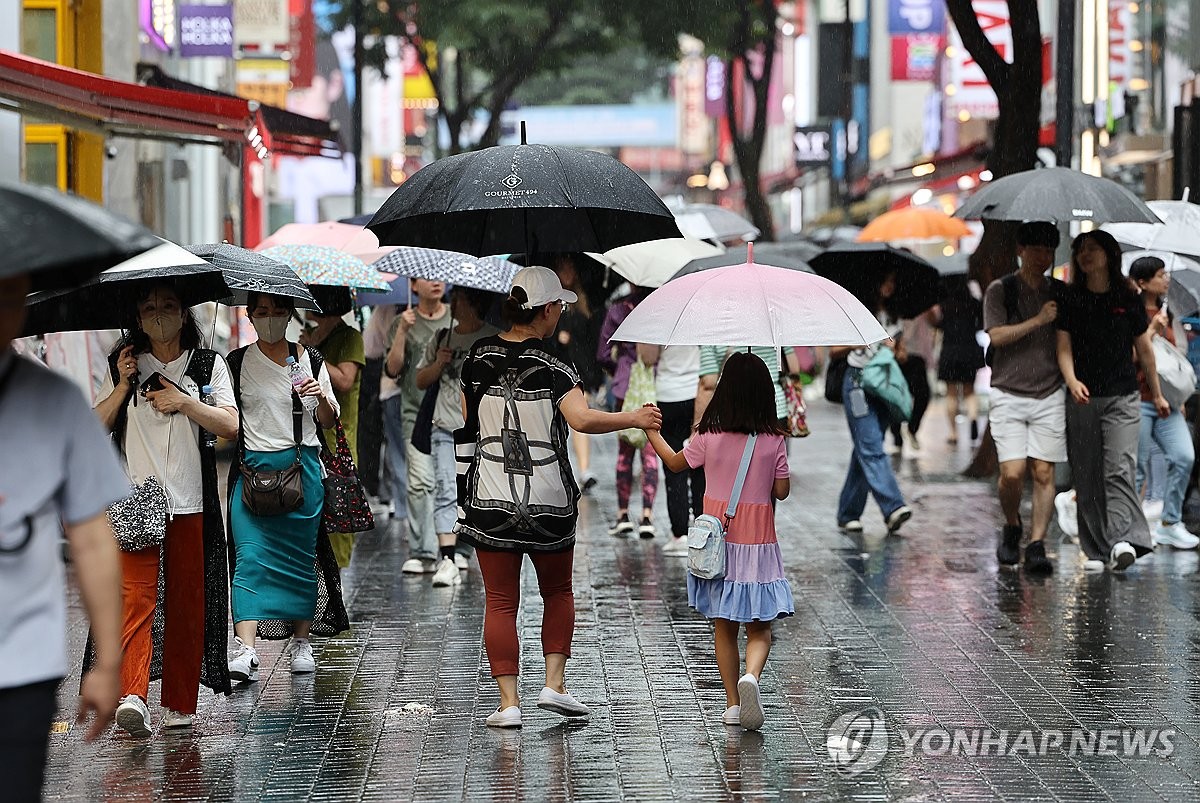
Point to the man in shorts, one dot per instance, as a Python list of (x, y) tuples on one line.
[(1028, 405)]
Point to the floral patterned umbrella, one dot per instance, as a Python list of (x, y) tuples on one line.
[(322, 265)]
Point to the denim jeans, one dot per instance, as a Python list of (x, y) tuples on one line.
[(1172, 436), (870, 469), (445, 498), (396, 455)]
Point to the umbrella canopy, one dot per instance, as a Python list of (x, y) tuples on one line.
[(861, 267), (246, 271), (483, 273), (1183, 296), (793, 256), (523, 198), (109, 300), (653, 263), (60, 239), (1055, 194), (914, 224), (322, 265), (828, 235), (750, 305), (1179, 232), (712, 222), (342, 236), (956, 264)]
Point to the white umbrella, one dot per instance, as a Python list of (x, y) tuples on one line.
[(1184, 293), (653, 263), (1179, 232), (751, 305)]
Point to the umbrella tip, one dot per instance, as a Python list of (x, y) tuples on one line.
[(750, 252), (523, 142)]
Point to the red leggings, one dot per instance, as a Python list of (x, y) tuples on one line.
[(502, 584), (183, 639)]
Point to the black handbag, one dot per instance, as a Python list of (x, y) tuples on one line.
[(274, 493), (422, 437), (835, 374)]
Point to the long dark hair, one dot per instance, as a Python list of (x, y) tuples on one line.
[(189, 336), (1112, 257), (744, 400)]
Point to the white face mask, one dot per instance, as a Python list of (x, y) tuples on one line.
[(270, 330)]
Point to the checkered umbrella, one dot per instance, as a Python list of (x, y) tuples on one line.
[(462, 270), (248, 272), (329, 267)]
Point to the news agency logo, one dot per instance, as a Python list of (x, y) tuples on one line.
[(858, 741)]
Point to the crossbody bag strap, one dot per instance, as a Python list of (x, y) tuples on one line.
[(297, 408), (743, 468)]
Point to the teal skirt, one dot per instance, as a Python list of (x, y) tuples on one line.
[(275, 574)]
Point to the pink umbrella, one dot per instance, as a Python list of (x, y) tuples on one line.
[(354, 240), (751, 305)]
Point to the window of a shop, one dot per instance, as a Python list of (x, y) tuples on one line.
[(47, 32)]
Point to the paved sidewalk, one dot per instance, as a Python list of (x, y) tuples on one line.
[(919, 632)]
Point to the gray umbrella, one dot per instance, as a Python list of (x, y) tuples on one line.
[(523, 198), (712, 222), (61, 239), (450, 267), (247, 271), (793, 256), (1056, 194)]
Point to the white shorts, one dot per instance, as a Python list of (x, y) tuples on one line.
[(1025, 427)]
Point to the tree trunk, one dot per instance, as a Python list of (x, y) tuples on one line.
[(748, 150)]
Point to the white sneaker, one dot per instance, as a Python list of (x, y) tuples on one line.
[(1152, 509), (732, 715), (303, 661), (243, 667), (853, 526), (1121, 557), (1067, 510), (419, 566), (910, 442), (174, 719), (750, 715), (505, 718), (446, 574), (133, 716), (460, 560), (622, 527), (677, 547), (563, 704), (1175, 535), (897, 519), (1090, 565), (890, 447)]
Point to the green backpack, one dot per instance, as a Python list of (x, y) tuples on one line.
[(883, 379)]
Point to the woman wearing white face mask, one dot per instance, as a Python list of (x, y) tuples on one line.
[(275, 581), (152, 406)]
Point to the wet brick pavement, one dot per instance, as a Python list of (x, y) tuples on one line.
[(921, 631)]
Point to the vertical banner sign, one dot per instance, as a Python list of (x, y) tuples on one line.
[(714, 87), (302, 43), (971, 89), (693, 124), (206, 31), (1120, 57)]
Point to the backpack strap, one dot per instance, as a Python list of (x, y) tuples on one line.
[(1012, 293), (735, 495)]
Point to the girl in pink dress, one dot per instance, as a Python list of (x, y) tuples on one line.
[(754, 590)]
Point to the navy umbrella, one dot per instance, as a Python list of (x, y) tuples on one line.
[(523, 198), (862, 267), (247, 271), (60, 239), (1056, 194)]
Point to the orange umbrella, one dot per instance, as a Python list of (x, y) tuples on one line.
[(913, 224)]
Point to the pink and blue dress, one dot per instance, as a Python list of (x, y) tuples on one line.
[(754, 587)]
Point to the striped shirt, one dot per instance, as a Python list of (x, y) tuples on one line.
[(712, 358)]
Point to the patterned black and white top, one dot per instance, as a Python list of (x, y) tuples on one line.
[(516, 491)]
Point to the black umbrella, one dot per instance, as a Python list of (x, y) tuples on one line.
[(62, 239), (523, 198), (1056, 194), (247, 271), (109, 301), (861, 267), (794, 256)]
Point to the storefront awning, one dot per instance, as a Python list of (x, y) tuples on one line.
[(118, 108)]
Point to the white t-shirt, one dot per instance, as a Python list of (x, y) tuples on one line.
[(167, 446), (860, 357), (57, 464), (267, 403), (678, 373), (376, 345)]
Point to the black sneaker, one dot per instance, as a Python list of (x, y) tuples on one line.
[(622, 528), (647, 530), (1036, 561), (1008, 551)]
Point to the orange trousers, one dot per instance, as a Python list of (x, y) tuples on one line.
[(183, 636)]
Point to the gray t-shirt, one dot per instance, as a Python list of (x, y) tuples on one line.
[(447, 414), (1028, 367), (418, 339), (67, 471)]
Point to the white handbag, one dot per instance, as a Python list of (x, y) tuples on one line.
[(1176, 376)]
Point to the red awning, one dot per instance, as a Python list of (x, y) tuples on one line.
[(119, 108)]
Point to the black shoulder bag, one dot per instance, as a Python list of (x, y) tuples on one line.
[(422, 437), (270, 493)]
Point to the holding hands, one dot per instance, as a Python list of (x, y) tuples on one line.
[(648, 418)]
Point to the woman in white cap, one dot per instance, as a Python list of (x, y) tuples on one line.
[(516, 487)]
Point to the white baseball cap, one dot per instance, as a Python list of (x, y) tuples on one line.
[(541, 286)]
